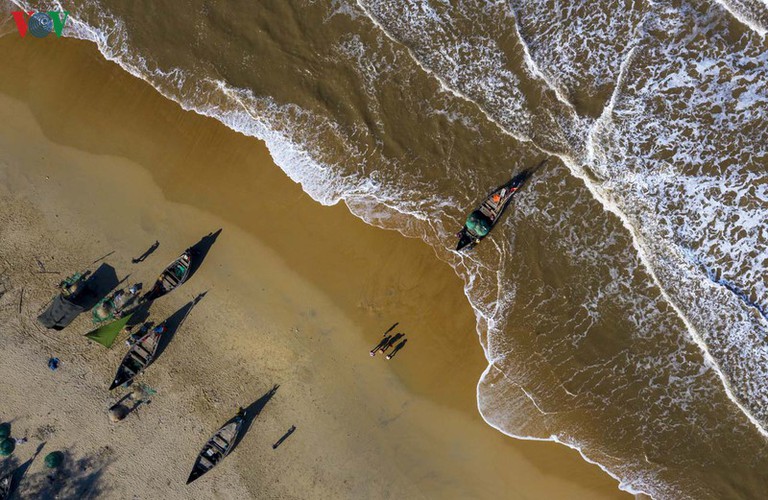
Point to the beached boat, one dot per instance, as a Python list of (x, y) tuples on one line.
[(174, 275), (486, 216), (139, 356), (217, 447)]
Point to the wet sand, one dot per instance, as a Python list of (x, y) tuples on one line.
[(93, 160)]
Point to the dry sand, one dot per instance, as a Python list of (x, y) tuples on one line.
[(94, 161)]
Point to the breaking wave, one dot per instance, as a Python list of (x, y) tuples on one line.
[(656, 111)]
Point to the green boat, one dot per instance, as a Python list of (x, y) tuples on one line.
[(486, 216)]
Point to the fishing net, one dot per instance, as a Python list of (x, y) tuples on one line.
[(478, 223)]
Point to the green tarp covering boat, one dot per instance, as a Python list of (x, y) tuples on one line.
[(483, 218)]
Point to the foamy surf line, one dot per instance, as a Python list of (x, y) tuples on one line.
[(605, 200), (291, 156), (609, 205), (747, 13), (623, 485), (287, 153)]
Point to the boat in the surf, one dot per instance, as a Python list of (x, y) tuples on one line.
[(486, 216), (217, 447), (139, 356), (172, 277)]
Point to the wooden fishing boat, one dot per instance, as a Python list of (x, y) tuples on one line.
[(139, 356), (217, 447), (486, 216), (174, 275)]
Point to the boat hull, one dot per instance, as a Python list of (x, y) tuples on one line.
[(172, 277), (492, 208), (139, 356), (216, 448)]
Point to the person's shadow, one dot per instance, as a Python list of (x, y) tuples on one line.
[(200, 250), (139, 313), (149, 251), (128, 410), (253, 411), (173, 323)]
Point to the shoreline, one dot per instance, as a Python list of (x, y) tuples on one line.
[(407, 268)]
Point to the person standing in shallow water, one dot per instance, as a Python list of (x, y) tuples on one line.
[(380, 345)]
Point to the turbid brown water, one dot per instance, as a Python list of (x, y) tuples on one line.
[(371, 428), (621, 302)]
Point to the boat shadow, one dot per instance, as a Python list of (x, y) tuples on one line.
[(251, 412), (199, 251), (528, 173), (149, 251), (97, 286), (173, 323), (17, 472), (139, 313)]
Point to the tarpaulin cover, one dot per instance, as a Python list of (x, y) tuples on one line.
[(60, 313), (106, 334)]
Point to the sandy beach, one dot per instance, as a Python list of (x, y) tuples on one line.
[(95, 162)]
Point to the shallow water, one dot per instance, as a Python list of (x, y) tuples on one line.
[(621, 302)]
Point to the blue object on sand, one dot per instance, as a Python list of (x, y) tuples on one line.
[(53, 363)]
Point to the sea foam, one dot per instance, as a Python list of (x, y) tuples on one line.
[(646, 158)]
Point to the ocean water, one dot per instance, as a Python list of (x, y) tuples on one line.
[(621, 303)]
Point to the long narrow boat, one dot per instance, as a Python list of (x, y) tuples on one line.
[(139, 356), (217, 447), (486, 216), (174, 275)]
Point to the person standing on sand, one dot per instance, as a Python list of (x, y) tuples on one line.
[(119, 411), (381, 344), (285, 436), (121, 300), (399, 346), (147, 253), (392, 342)]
